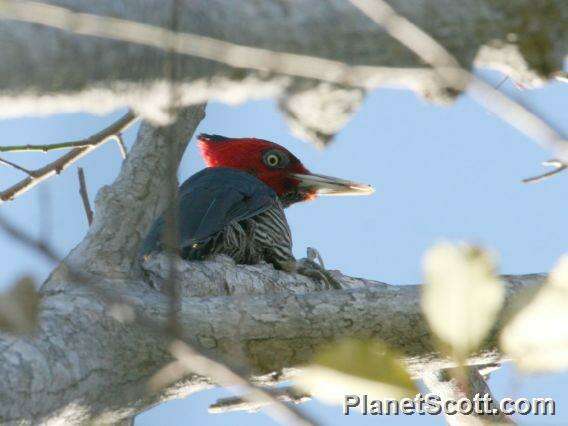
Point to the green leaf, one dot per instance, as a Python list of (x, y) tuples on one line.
[(19, 307), (537, 336), (462, 296), (355, 367)]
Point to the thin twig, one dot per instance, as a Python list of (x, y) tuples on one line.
[(502, 82), (89, 144), (17, 167), (85, 195), (48, 147), (62, 145), (444, 63), (197, 363), (558, 167), (121, 145)]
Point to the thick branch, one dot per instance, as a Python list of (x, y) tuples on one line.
[(125, 210), (47, 70), (84, 362)]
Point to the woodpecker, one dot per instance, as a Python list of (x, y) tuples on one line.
[(235, 206)]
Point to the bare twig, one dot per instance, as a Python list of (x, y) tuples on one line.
[(198, 363), (87, 145), (190, 360), (558, 167), (444, 63), (237, 403), (121, 145), (85, 195), (83, 143), (502, 82), (48, 147), (15, 166)]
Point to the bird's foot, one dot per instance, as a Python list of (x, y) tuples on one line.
[(312, 267), (314, 255)]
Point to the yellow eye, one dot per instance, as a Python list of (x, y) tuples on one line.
[(272, 160)]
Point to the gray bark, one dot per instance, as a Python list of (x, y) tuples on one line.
[(44, 70), (86, 363), (124, 211)]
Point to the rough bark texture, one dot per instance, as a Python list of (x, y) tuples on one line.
[(84, 363), (44, 70), (53, 375), (124, 210)]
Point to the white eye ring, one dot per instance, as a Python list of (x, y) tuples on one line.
[(272, 160)]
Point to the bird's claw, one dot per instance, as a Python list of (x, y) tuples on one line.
[(314, 255), (311, 269)]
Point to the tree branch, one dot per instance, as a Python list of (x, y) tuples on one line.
[(285, 50), (85, 195), (17, 167), (221, 51), (194, 362), (82, 346), (121, 145), (449, 69), (125, 210), (86, 363), (557, 167), (83, 143), (55, 167)]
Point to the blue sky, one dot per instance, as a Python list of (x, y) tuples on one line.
[(440, 173)]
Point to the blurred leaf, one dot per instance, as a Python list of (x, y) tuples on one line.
[(355, 367), (462, 296), (537, 336), (19, 307)]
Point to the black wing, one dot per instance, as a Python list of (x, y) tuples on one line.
[(210, 200)]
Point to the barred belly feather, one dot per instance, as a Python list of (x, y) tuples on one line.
[(227, 211), (265, 236)]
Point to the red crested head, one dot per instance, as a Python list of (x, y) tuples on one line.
[(275, 166)]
